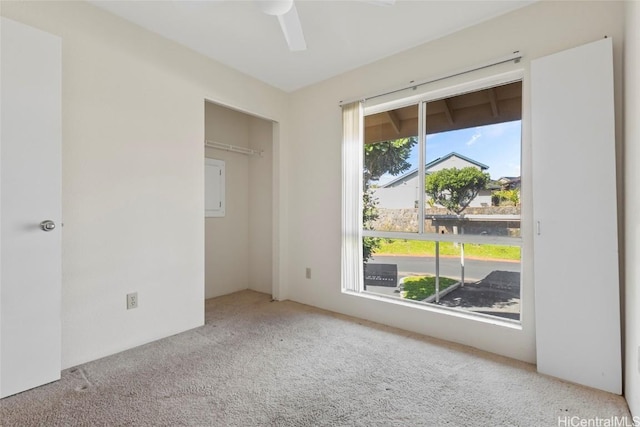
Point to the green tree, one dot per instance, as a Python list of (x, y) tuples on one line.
[(387, 157), (369, 215), (380, 158), (506, 198), (455, 188)]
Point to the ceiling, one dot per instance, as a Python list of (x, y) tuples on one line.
[(340, 35)]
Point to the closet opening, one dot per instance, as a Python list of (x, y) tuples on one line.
[(239, 201)]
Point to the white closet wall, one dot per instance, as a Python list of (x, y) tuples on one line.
[(261, 205)]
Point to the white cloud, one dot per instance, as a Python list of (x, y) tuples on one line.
[(474, 138)]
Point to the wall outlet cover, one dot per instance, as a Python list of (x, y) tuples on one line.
[(132, 300)]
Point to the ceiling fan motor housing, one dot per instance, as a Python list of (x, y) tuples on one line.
[(275, 7)]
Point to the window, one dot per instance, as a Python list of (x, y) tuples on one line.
[(440, 201)]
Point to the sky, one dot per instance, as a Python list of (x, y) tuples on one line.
[(497, 146)]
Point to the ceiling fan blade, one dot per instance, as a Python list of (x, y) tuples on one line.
[(292, 29)]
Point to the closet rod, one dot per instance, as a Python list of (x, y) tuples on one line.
[(233, 148)]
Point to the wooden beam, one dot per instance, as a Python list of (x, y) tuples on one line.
[(386, 132), (494, 103), (394, 120), (447, 111)]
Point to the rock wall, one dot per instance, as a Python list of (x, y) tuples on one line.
[(439, 220)]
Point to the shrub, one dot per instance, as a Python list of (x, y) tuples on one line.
[(505, 198)]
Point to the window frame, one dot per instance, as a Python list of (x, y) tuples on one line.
[(428, 95)]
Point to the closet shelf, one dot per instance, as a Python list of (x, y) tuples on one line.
[(233, 148)]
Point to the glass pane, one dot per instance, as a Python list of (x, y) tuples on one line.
[(390, 175), (408, 269), (473, 152)]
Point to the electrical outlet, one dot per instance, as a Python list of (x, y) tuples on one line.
[(308, 273), (132, 300)]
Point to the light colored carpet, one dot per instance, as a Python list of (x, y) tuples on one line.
[(262, 363)]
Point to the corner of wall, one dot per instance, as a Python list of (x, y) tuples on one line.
[(632, 205)]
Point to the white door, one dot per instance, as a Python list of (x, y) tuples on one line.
[(576, 240), (30, 193)]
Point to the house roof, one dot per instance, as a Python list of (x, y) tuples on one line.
[(439, 160), (430, 165), (509, 182)]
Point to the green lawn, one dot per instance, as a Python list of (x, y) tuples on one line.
[(420, 287), (422, 248)]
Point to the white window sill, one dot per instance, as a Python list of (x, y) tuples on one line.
[(447, 311)]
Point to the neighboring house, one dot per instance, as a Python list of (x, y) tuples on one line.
[(402, 192), (509, 183)]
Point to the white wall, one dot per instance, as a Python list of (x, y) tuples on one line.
[(238, 245), (482, 199), (227, 238), (261, 206), (403, 196), (315, 216), (632, 205), (133, 174)]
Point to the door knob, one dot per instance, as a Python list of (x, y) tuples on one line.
[(47, 225)]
